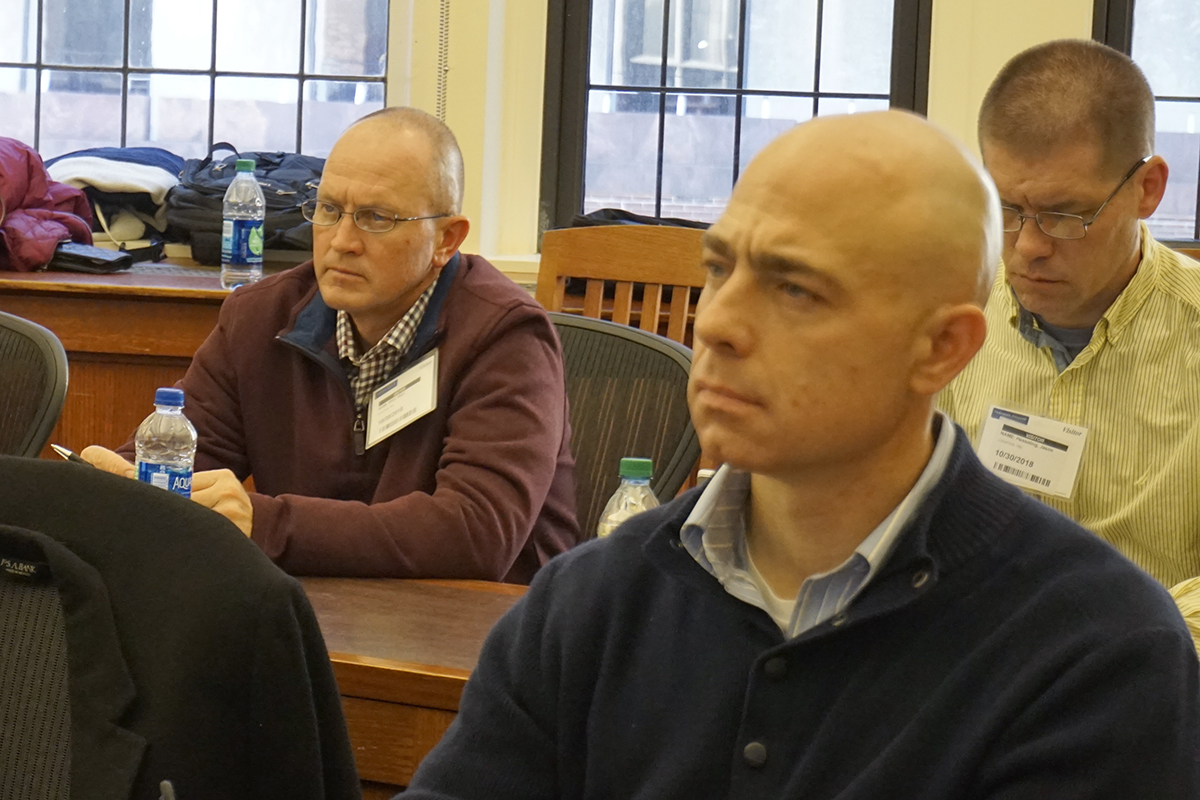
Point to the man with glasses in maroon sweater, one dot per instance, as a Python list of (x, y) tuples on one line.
[(400, 406)]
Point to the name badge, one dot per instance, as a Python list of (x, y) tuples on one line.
[(1036, 453), (403, 400)]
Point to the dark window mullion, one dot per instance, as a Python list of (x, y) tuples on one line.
[(817, 59), (739, 98), (202, 72), (300, 75), (749, 92), (662, 108), (1196, 221), (125, 76), (37, 86), (212, 78)]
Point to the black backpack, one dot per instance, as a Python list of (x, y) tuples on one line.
[(287, 180)]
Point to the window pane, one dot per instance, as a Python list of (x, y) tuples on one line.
[(347, 37), (1178, 141), (256, 113), (764, 118), (83, 34), (828, 106), (620, 166), (169, 111), (16, 104), (330, 107), (258, 36), (18, 30), (168, 34), (697, 156), (781, 44), (79, 109), (626, 42), (856, 46), (703, 45), (1165, 35)]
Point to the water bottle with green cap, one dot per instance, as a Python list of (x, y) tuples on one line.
[(633, 495), (242, 228)]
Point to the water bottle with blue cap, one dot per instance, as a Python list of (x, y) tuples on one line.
[(166, 445)]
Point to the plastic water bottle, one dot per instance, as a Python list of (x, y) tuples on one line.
[(242, 229), (633, 495), (166, 445)]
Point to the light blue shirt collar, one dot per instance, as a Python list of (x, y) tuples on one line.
[(715, 535)]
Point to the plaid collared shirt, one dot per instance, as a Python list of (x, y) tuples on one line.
[(368, 372)]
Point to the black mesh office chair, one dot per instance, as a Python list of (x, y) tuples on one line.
[(628, 395), (143, 638), (33, 385)]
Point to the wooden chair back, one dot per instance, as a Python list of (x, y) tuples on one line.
[(629, 272)]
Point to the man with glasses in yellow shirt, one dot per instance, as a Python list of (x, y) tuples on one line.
[(1086, 392)]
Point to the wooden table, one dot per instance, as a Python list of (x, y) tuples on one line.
[(125, 335), (402, 652)]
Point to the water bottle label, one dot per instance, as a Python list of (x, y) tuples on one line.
[(242, 242), (178, 481)]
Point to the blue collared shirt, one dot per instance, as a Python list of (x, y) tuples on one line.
[(1064, 343), (715, 535)]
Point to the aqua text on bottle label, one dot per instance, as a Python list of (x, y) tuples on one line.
[(178, 481)]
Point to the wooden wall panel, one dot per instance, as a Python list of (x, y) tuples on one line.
[(125, 335), (109, 395), (390, 739)]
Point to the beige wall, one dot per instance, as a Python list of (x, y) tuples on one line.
[(493, 105), (971, 40), (494, 99)]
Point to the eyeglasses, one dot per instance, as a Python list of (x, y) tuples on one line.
[(371, 220), (1057, 224)]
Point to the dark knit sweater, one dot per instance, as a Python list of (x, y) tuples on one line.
[(1001, 652)]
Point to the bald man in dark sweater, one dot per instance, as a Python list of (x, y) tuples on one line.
[(853, 607)]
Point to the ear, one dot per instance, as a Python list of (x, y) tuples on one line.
[(452, 231), (952, 336), (1153, 184)]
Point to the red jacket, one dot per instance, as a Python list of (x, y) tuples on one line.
[(37, 213), (483, 487)]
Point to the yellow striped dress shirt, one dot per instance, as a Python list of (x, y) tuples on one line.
[(1135, 387), (1187, 597)]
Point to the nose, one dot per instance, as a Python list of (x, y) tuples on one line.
[(347, 237), (1032, 242), (724, 315)]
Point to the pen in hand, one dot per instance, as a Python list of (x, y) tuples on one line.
[(69, 455)]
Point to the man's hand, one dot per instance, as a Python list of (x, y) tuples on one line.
[(107, 460), (220, 490)]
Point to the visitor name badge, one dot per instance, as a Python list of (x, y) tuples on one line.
[(1037, 453), (403, 400)]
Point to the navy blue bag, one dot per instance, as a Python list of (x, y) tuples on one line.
[(287, 181)]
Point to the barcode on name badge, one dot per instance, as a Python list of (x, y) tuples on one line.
[(1022, 474)]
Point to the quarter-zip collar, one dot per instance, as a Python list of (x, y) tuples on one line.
[(312, 329)]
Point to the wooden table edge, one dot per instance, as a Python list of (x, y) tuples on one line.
[(171, 286), (408, 683)]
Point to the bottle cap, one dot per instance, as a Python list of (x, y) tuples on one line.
[(245, 165), (636, 468), (168, 397)]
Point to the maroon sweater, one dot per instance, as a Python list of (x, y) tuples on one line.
[(483, 487)]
